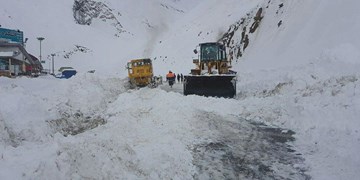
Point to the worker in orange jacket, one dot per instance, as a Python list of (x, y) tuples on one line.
[(170, 77)]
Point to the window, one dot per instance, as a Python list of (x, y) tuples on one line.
[(209, 52)]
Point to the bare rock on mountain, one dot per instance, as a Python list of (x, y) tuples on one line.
[(85, 11)]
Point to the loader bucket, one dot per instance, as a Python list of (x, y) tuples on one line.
[(212, 85)]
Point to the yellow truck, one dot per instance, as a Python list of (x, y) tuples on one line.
[(140, 73)]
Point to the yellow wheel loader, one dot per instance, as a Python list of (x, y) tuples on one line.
[(212, 75), (140, 73)]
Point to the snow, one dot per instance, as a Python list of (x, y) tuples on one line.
[(302, 77), (321, 104)]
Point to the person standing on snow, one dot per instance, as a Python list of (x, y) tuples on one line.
[(178, 78), (182, 77), (170, 77)]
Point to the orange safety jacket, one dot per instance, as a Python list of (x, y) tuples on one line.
[(170, 75)]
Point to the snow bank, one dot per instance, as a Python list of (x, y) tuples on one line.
[(39, 100), (147, 133), (320, 102), (90, 126)]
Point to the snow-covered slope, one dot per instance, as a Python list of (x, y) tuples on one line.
[(298, 70), (309, 30)]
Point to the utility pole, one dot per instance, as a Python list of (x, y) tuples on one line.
[(41, 39), (52, 55)]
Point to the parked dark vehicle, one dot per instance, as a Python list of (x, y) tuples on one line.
[(66, 73)]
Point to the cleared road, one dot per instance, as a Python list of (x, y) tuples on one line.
[(241, 149)]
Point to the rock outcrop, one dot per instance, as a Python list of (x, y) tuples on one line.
[(85, 11)]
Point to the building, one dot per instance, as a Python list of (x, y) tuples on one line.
[(14, 59)]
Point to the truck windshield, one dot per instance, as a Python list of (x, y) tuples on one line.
[(142, 62)]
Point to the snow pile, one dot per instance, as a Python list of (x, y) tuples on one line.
[(43, 99), (147, 132), (92, 127), (320, 102)]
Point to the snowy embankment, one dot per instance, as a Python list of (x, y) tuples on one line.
[(146, 132), (93, 127), (320, 102), (34, 110)]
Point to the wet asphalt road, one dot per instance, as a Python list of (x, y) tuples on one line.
[(239, 149)]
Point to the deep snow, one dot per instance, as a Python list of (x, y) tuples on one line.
[(302, 76)]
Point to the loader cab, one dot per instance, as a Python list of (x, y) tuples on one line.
[(212, 52), (212, 75)]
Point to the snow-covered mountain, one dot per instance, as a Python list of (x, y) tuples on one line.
[(298, 67), (287, 33), (113, 32)]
